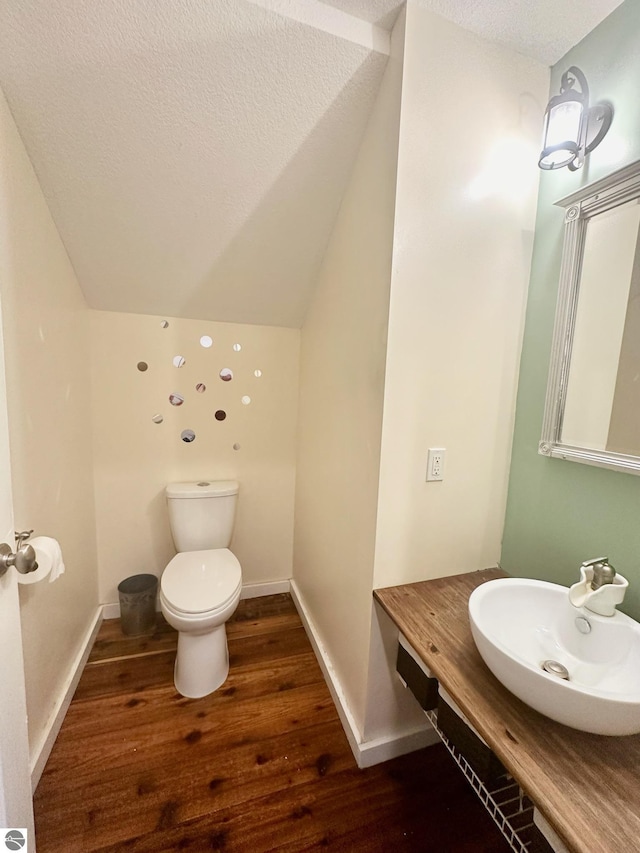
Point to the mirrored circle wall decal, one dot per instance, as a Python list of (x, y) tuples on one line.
[(246, 400), (164, 324), (220, 415), (142, 366), (157, 419), (188, 435), (236, 446), (226, 375), (176, 399), (179, 361), (201, 387), (257, 373), (237, 347), (206, 341)]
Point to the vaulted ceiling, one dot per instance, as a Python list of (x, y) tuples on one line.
[(194, 153)]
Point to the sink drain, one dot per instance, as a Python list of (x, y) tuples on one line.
[(555, 668)]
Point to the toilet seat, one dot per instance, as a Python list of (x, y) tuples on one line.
[(199, 582)]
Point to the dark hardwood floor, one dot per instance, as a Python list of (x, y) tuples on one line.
[(261, 765)]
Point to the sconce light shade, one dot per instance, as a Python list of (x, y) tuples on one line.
[(571, 128)]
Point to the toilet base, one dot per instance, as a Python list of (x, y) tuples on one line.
[(202, 662)]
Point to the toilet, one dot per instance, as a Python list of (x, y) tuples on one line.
[(200, 587)]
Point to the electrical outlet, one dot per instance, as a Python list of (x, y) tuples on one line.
[(435, 464)]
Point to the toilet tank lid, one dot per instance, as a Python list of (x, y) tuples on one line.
[(202, 489)]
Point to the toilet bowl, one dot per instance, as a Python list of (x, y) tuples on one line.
[(199, 591)]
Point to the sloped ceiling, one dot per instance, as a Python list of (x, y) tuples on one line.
[(194, 152)]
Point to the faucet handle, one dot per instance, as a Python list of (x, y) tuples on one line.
[(603, 571), (595, 560)]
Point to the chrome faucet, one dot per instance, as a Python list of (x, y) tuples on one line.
[(603, 572), (600, 588)]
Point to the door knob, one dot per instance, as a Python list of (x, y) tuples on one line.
[(24, 558)]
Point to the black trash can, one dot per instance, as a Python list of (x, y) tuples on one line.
[(138, 604)]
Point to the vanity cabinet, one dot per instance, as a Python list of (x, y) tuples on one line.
[(509, 752)]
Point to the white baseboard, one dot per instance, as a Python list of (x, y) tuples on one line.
[(110, 611), (255, 590), (333, 683), (42, 751), (249, 590), (366, 753), (384, 748)]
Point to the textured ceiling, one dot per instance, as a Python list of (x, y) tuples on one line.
[(194, 152), (380, 12), (543, 29)]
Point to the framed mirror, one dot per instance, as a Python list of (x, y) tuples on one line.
[(592, 407)]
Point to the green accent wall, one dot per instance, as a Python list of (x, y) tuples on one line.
[(560, 513)]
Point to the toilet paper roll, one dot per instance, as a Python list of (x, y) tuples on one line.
[(49, 557)]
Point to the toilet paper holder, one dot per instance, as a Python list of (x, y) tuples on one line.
[(24, 558)]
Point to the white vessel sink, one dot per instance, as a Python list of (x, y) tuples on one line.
[(520, 624)]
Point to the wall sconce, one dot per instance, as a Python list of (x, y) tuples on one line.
[(572, 128)]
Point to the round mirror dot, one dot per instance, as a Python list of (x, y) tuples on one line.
[(206, 341), (201, 387), (179, 361), (236, 446), (188, 435), (164, 324), (157, 419), (246, 400), (226, 375), (257, 373), (142, 366), (176, 399), (237, 347), (220, 415), (204, 483)]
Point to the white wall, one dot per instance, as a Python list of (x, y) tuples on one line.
[(135, 458), (341, 390), (46, 333), (462, 234), (465, 208)]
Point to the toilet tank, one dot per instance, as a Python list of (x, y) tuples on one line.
[(201, 514)]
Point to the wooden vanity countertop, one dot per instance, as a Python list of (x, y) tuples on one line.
[(587, 786)]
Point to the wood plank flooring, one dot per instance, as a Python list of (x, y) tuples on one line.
[(260, 765)]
